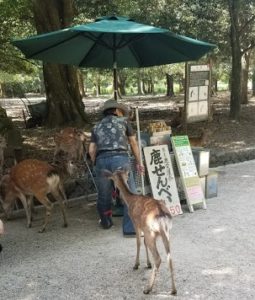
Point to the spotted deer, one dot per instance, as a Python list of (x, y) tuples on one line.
[(203, 139), (151, 217), (70, 141), (36, 178)]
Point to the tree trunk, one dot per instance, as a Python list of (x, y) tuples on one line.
[(170, 85), (121, 84), (64, 100), (139, 83), (81, 84), (245, 76), (151, 86), (253, 83), (235, 98)]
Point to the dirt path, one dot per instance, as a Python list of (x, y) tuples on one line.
[(213, 252)]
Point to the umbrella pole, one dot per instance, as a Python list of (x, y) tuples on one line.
[(139, 146), (115, 80), (115, 83)]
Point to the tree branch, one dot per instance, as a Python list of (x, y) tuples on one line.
[(250, 47), (242, 29)]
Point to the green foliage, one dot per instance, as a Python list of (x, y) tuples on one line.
[(205, 20), (16, 20), (17, 85)]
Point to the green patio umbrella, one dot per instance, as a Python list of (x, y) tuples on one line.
[(112, 42)]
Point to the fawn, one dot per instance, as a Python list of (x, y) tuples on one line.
[(36, 178), (201, 140), (71, 141), (151, 217)]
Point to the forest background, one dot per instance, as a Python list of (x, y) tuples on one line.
[(230, 24)]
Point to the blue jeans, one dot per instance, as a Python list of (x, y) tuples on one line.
[(105, 187)]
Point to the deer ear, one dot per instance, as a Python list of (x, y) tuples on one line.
[(124, 169), (106, 173)]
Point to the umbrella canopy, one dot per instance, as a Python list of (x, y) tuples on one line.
[(110, 42)]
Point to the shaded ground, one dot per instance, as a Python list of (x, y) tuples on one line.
[(228, 136)]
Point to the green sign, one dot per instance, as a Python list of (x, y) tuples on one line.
[(180, 140)]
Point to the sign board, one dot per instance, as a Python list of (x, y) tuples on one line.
[(161, 177), (197, 92), (188, 171)]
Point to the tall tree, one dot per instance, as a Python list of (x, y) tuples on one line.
[(242, 39), (235, 98), (61, 81)]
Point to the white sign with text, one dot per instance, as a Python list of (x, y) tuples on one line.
[(161, 175)]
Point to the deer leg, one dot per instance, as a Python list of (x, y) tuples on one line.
[(33, 211), (30, 204), (166, 242), (63, 194), (151, 243), (58, 196), (147, 255), (48, 206), (27, 208), (138, 246)]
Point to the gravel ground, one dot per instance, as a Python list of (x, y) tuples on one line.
[(213, 252)]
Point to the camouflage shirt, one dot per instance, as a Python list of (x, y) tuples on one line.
[(112, 133)]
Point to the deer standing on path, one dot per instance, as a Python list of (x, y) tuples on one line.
[(151, 217), (32, 177)]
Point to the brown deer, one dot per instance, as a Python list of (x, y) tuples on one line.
[(203, 139), (70, 141), (178, 119), (36, 178), (151, 217)]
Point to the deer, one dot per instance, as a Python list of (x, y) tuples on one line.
[(32, 177), (203, 139), (70, 141), (178, 119), (151, 217)]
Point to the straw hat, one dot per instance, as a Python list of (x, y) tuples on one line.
[(114, 104)]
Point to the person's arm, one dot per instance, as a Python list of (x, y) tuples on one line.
[(92, 151), (136, 152)]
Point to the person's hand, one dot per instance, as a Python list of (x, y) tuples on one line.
[(140, 169)]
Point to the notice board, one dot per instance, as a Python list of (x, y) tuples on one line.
[(188, 171), (161, 177), (197, 92)]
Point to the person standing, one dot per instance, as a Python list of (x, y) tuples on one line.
[(109, 149)]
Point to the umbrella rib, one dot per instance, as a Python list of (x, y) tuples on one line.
[(97, 40), (53, 46), (133, 39)]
